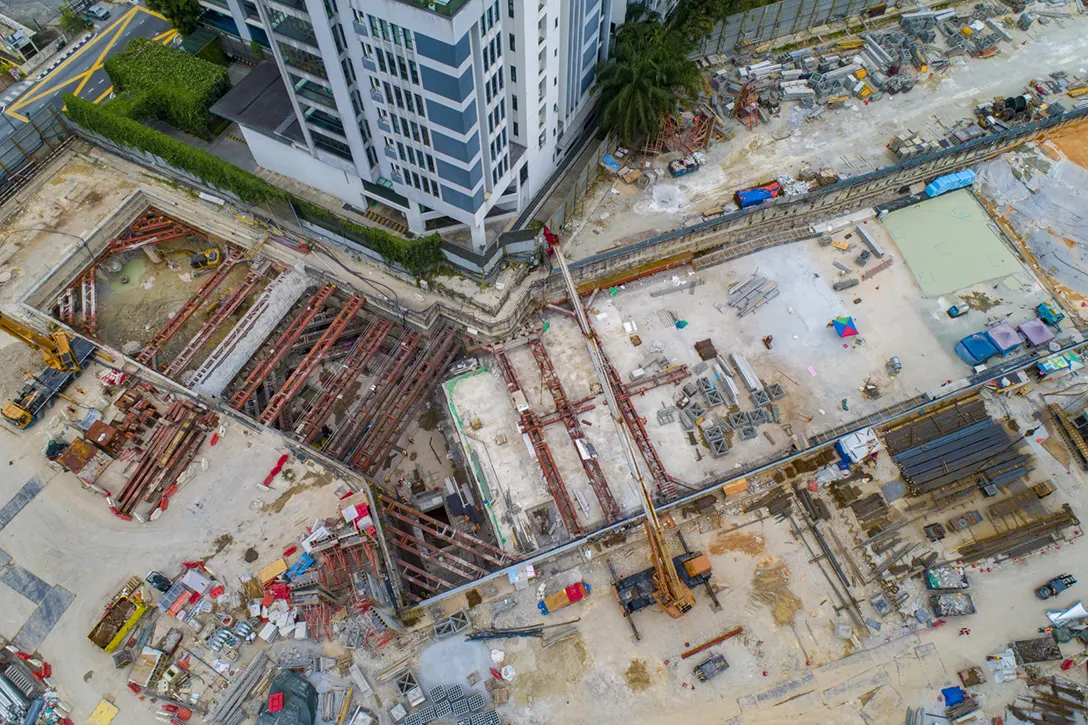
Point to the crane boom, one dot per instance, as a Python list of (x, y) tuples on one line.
[(670, 591), (55, 349)]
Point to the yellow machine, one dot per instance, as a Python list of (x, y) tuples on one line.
[(55, 349), (210, 258), (64, 357)]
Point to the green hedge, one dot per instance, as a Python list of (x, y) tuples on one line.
[(417, 256), (166, 83)]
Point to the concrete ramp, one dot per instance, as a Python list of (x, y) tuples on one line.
[(242, 343)]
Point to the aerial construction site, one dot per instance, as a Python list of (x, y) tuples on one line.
[(790, 424)]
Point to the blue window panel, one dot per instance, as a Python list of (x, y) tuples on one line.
[(591, 28), (589, 58), (463, 201), (459, 121), (459, 176), (452, 55), (456, 89), (587, 80), (461, 150)]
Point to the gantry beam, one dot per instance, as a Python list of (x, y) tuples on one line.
[(380, 435), (278, 349), (213, 323), (362, 352), (182, 315), (310, 362)]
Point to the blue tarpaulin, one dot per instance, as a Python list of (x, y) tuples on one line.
[(752, 197), (976, 349), (609, 162), (952, 696), (950, 182)]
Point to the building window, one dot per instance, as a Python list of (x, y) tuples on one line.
[(514, 102), (374, 24), (371, 156), (396, 33), (403, 67), (414, 71), (396, 124), (510, 12), (381, 63), (407, 38), (419, 105), (516, 129), (385, 29), (513, 74), (426, 136), (513, 45), (408, 102), (430, 163), (399, 97), (400, 150), (543, 138), (388, 92), (415, 131)]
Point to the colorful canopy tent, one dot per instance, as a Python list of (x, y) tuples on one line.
[(1037, 332), (845, 326)]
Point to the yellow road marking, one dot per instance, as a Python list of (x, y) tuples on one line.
[(31, 96), (98, 62), (118, 28), (104, 95)]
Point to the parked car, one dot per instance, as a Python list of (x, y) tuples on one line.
[(1055, 586), (97, 12)]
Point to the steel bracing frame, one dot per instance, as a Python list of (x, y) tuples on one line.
[(530, 426), (278, 349), (574, 429), (298, 378)]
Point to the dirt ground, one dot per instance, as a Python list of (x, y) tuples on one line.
[(788, 664), (1073, 142)]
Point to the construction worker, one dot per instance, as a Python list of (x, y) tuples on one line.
[(964, 631)]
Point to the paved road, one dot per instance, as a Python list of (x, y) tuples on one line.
[(83, 73)]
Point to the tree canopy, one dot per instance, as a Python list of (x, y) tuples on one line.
[(649, 72), (182, 14)]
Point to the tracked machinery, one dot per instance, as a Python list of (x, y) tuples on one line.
[(669, 580), (64, 357)]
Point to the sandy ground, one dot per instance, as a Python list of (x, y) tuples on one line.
[(851, 140), (66, 535), (788, 664)]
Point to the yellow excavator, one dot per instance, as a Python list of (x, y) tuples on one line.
[(64, 357), (210, 258)]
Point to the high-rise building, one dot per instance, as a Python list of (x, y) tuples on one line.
[(449, 111)]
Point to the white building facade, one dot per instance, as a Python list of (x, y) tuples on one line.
[(450, 111)]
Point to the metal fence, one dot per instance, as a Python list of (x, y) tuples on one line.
[(779, 19), (28, 146), (575, 198)]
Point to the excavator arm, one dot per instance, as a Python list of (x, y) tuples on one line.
[(55, 349)]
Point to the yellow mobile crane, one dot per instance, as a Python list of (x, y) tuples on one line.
[(64, 357), (670, 579)]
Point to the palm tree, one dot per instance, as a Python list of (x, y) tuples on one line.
[(648, 74)]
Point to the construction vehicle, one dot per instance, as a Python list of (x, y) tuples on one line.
[(64, 357), (1043, 489), (662, 583), (1049, 313), (1055, 586), (711, 668), (210, 258)]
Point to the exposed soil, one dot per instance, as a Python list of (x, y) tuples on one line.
[(1073, 142), (637, 676), (752, 544)]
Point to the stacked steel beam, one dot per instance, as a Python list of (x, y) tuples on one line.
[(1023, 540), (310, 362), (152, 227), (531, 428), (360, 355), (182, 315), (173, 443), (983, 450), (280, 347), (574, 429), (212, 325), (381, 434)]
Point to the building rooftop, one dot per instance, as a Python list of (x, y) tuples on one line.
[(259, 101)]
